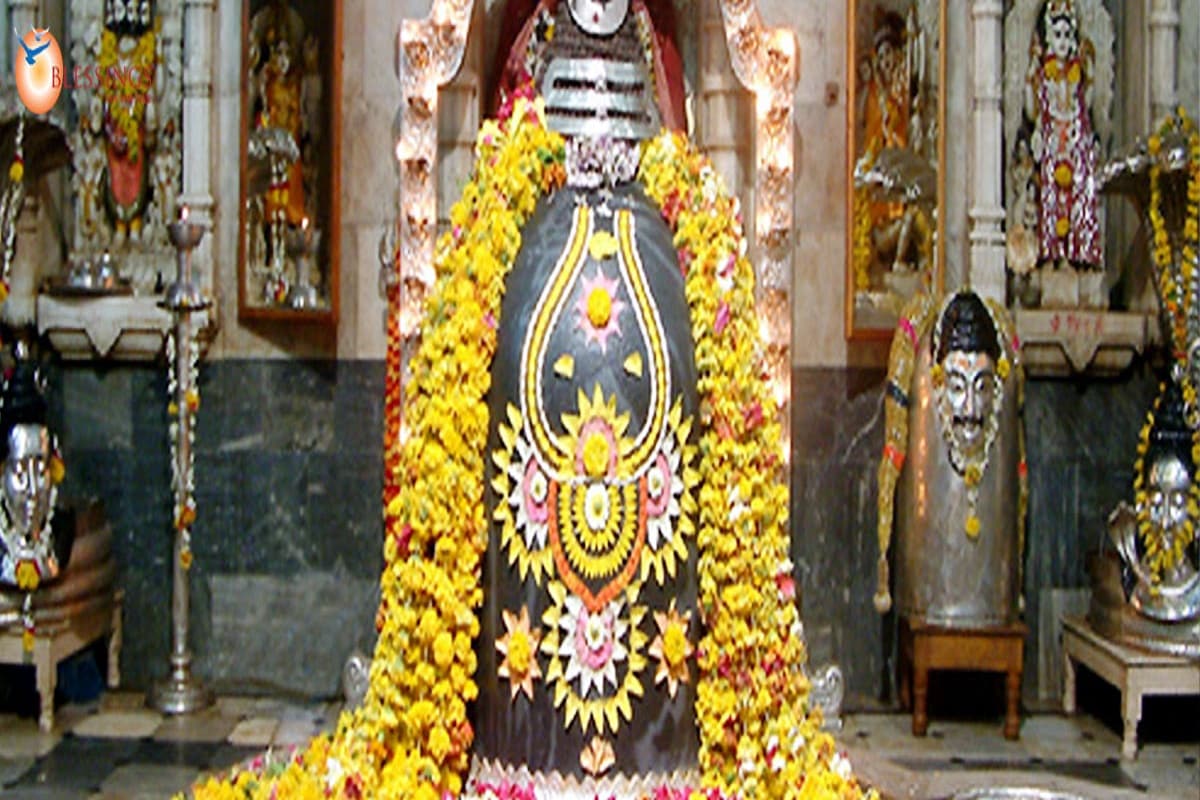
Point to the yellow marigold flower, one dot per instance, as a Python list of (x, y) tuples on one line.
[(1154, 145), (972, 526), (675, 645), (1063, 174), (1062, 227), (1003, 367), (16, 172), (1074, 74), (27, 639), (937, 374), (972, 475), (596, 455), (1053, 69), (443, 649), (185, 558), (27, 576), (58, 470), (192, 398), (519, 654), (599, 307)]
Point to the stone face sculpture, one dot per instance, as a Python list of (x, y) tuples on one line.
[(953, 465)]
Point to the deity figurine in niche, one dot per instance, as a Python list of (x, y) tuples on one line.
[(284, 80), (126, 147), (129, 56), (1061, 137), (958, 506)]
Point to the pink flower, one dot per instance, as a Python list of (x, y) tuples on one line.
[(722, 317)]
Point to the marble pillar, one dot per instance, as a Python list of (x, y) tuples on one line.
[(986, 212), (198, 158)]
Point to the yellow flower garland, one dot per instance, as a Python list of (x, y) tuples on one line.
[(411, 736), (1175, 276)]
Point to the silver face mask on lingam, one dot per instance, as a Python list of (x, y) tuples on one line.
[(599, 17), (970, 398), (27, 503)]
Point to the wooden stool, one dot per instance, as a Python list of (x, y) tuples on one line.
[(1133, 672), (57, 641), (926, 647)]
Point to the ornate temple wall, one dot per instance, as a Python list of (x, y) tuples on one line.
[(288, 442)]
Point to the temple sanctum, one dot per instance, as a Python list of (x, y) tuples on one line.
[(600, 399)]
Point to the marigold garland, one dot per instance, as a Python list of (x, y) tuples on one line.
[(1176, 279), (411, 737)]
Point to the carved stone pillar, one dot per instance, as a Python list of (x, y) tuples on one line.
[(986, 212), (1164, 67), (197, 123)]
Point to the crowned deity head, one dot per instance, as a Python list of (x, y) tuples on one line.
[(967, 353), (1061, 29), (889, 51)]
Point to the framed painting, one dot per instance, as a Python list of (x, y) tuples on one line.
[(290, 146), (895, 155)]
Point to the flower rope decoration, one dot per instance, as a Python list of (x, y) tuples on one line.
[(10, 206), (915, 321), (183, 476), (411, 737)]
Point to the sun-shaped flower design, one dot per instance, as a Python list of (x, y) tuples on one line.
[(519, 647), (599, 308), (593, 644), (672, 648), (530, 495), (663, 490), (595, 437)]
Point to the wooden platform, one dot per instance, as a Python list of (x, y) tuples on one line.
[(925, 648), (1135, 673)]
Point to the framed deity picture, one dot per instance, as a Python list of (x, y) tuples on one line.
[(290, 146), (895, 155)]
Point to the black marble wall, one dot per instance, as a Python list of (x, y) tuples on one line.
[(288, 475), (1080, 439), (288, 482)]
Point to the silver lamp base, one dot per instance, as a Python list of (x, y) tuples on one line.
[(172, 696)]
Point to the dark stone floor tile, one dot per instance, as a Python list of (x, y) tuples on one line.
[(184, 754)]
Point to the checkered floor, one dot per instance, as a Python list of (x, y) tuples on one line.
[(117, 749)]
